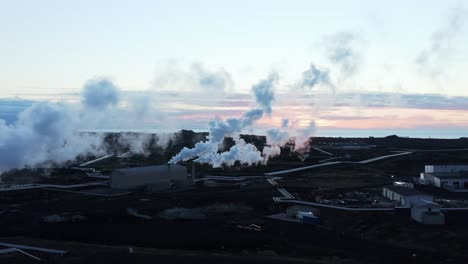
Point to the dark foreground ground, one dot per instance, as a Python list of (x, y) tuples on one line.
[(108, 231)]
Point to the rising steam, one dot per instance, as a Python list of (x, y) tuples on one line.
[(44, 132), (245, 153), (48, 132)]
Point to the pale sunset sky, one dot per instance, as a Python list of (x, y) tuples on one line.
[(392, 66)]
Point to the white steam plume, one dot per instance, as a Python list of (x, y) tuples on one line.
[(245, 153), (315, 76), (49, 132), (220, 129), (344, 49), (44, 132), (99, 94), (312, 78), (264, 94), (434, 60)]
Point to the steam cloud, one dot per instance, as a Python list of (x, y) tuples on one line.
[(100, 94), (43, 132), (248, 154), (220, 80), (431, 59), (245, 153), (197, 78), (314, 76), (343, 50), (311, 78), (264, 94), (47, 133), (233, 126)]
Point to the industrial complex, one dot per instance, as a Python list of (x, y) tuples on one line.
[(295, 207)]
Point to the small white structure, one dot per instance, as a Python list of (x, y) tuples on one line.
[(451, 177), (403, 184), (298, 211), (302, 214), (427, 212), (404, 195)]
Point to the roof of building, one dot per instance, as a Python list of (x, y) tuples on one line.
[(155, 170), (405, 191), (450, 175), (424, 203), (447, 166)]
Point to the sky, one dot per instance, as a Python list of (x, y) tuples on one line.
[(392, 65)]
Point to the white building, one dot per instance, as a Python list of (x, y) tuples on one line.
[(403, 195), (160, 177), (445, 168), (427, 212), (446, 176)]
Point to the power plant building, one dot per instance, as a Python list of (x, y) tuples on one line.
[(404, 196), (159, 177), (427, 212), (451, 177)]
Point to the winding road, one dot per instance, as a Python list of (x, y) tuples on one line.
[(274, 173)]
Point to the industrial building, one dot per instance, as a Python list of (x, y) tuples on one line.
[(427, 212), (159, 177), (404, 196), (344, 145), (451, 177)]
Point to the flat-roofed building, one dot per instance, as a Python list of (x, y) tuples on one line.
[(158, 177), (451, 177), (404, 195), (427, 212), (445, 168)]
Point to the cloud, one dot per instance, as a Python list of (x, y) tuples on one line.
[(143, 143), (277, 136), (433, 60), (264, 94), (344, 49), (233, 126), (200, 149), (10, 108), (47, 133), (44, 132), (416, 101), (99, 94), (197, 78), (304, 134), (270, 152), (245, 154), (314, 77), (219, 80)]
